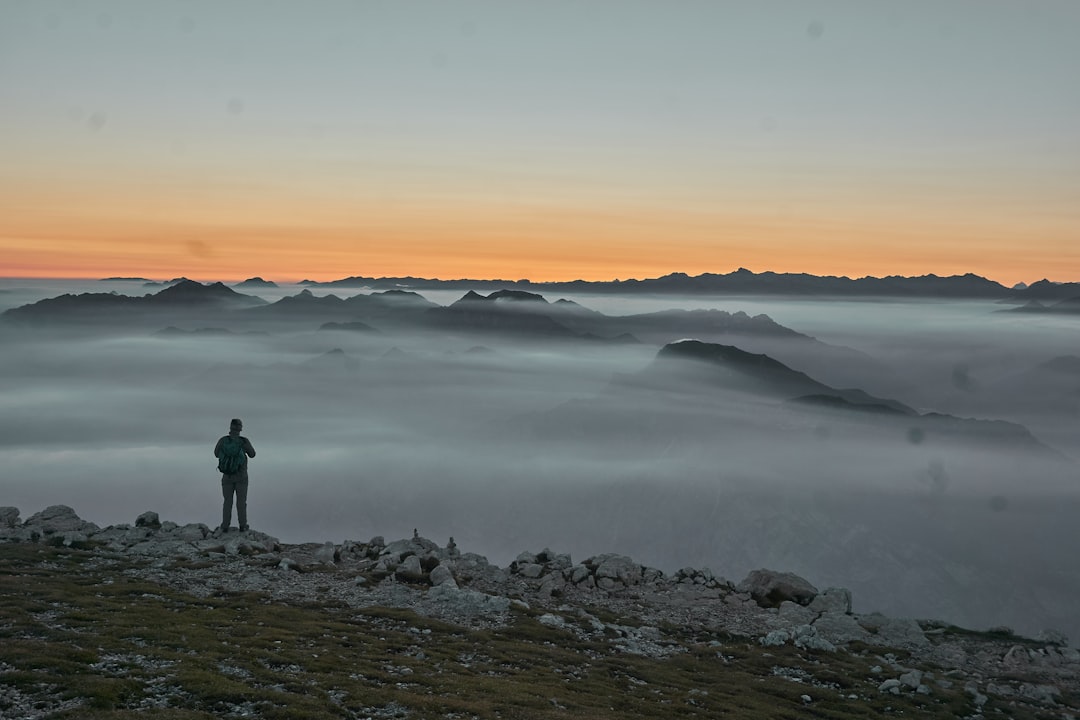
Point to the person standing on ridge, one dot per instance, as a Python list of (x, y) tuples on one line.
[(232, 452)]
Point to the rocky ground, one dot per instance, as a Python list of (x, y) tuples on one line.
[(604, 637)]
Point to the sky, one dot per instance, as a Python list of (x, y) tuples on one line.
[(548, 140)]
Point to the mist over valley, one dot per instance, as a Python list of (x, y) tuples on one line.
[(919, 450)]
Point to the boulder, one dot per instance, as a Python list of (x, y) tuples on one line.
[(327, 554), (9, 517), (410, 570), (193, 532), (530, 570), (1048, 636), (775, 638), (890, 686), (806, 637), (578, 573), (770, 588), (840, 628), (59, 519), (458, 602), (833, 599), (912, 679), (791, 614), (617, 568), (441, 574), (148, 519), (893, 632)]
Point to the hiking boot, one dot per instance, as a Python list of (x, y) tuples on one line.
[(224, 528), (245, 528)]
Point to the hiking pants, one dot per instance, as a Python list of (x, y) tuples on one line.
[(237, 484)]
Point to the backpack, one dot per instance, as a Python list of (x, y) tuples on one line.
[(233, 459)]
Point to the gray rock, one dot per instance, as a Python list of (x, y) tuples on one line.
[(1042, 694), (59, 519), (1048, 636), (460, 602), (170, 548), (148, 519), (834, 599), (792, 614), (578, 574), (890, 686), (550, 620), (805, 636), (441, 574), (410, 570), (619, 568), (893, 632), (840, 628), (770, 588), (9, 516), (71, 537), (327, 554), (650, 575), (530, 570), (911, 679), (193, 532), (550, 585), (775, 638)]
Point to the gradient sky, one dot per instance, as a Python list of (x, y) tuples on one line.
[(548, 140)]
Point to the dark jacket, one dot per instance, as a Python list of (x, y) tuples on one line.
[(248, 449)]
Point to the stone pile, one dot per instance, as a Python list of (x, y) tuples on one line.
[(772, 608)]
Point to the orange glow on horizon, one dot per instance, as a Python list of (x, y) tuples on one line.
[(215, 236)]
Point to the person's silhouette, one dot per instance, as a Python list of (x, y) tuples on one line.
[(232, 452)]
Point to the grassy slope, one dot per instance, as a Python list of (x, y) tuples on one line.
[(73, 628)]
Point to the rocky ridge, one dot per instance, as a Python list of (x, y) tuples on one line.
[(767, 608)]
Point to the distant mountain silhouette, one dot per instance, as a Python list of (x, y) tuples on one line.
[(510, 312), (256, 282), (186, 296), (1068, 306), (166, 283), (394, 305), (699, 366), (739, 282), (1049, 291), (695, 395)]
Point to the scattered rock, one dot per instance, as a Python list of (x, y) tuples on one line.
[(770, 588), (9, 517), (148, 519)]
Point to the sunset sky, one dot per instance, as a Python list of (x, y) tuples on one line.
[(550, 140)]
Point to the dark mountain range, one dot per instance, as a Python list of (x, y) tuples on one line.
[(185, 297), (694, 366), (165, 283), (512, 312), (1068, 306), (695, 395), (396, 306), (1047, 290), (256, 282), (739, 282)]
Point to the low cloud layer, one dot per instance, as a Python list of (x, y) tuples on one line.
[(511, 443)]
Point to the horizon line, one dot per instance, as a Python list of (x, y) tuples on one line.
[(232, 281)]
